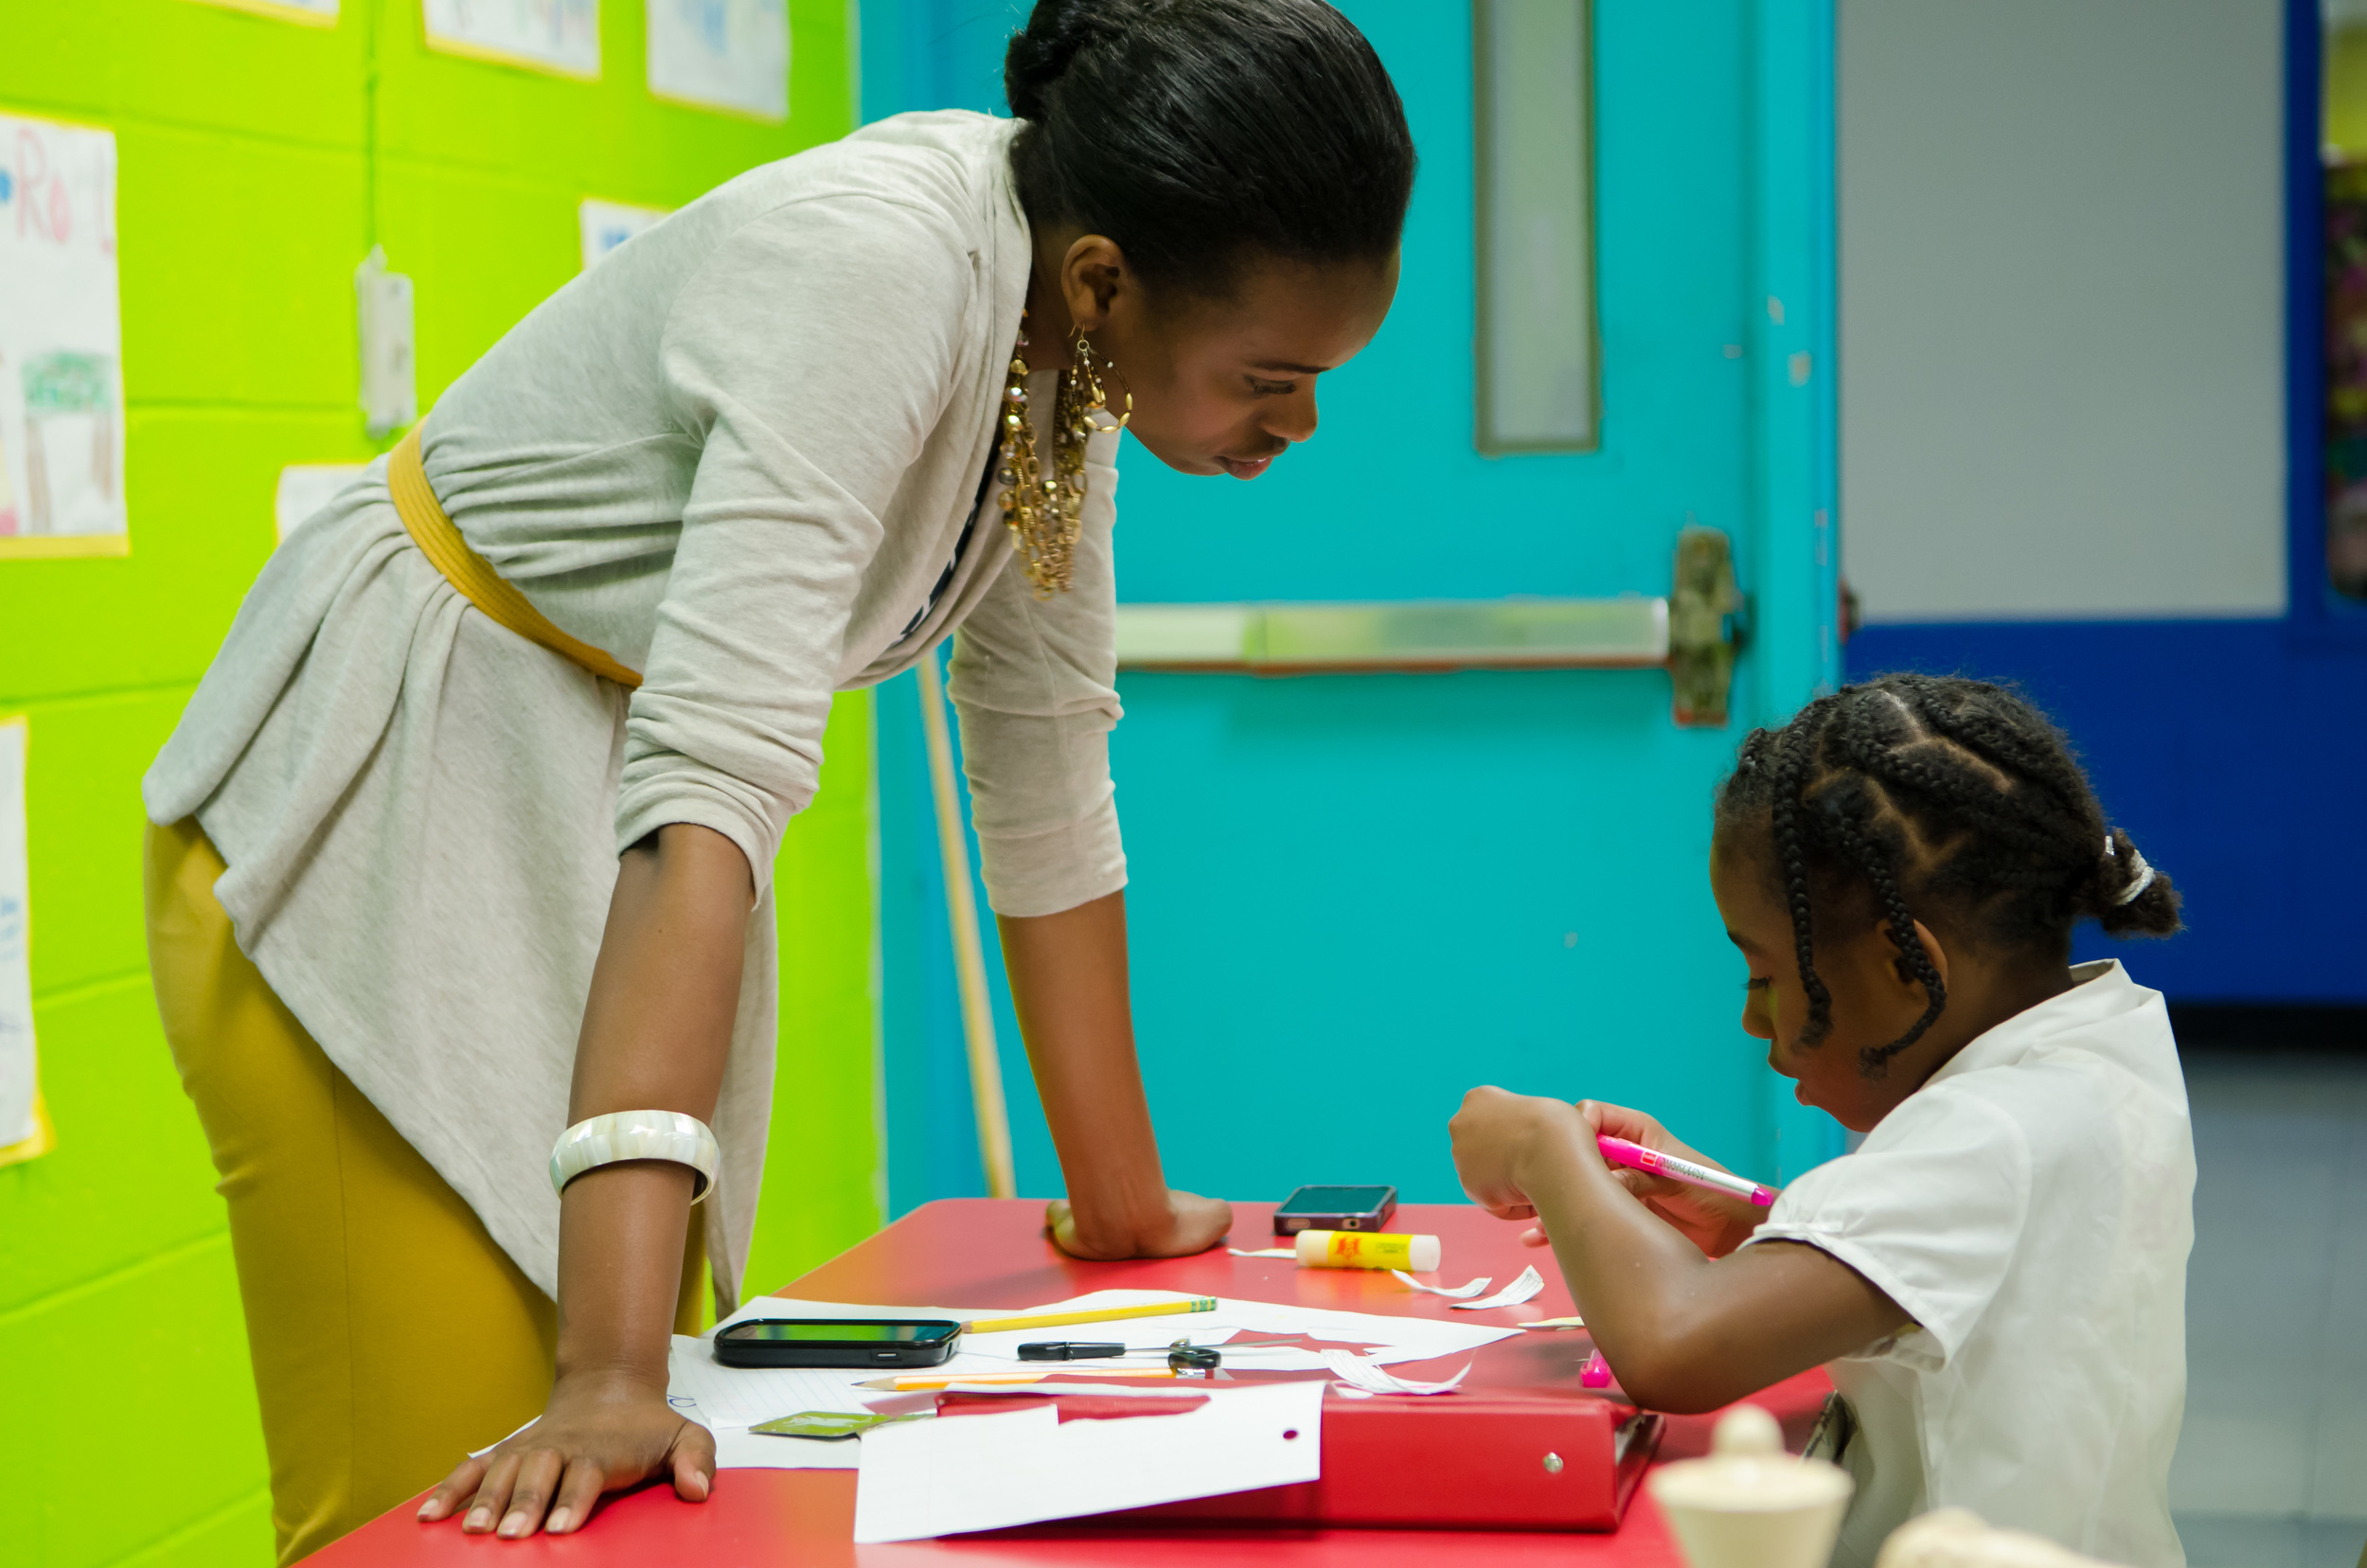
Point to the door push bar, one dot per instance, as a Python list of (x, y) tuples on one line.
[(1693, 632)]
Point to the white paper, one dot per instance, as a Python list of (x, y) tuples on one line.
[(17, 1068), (318, 12), (61, 337), (556, 35), (726, 54), (601, 227), (983, 1472), (1457, 1292), (1361, 1376), (1265, 1251), (305, 489), (1527, 1288)]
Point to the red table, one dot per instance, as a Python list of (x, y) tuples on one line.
[(987, 1253)]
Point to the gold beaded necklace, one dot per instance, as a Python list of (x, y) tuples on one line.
[(1046, 514)]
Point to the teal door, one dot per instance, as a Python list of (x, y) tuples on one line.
[(1356, 894)]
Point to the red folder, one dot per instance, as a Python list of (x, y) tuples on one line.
[(1500, 1460)]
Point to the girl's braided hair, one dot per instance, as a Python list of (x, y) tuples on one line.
[(1941, 792)]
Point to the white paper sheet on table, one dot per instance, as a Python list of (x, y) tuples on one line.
[(984, 1472), (728, 1400)]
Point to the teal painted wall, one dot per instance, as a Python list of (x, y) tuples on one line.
[(1354, 897)]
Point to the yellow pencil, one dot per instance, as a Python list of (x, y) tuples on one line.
[(940, 1380), (1105, 1314)]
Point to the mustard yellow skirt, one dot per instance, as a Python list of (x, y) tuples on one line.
[(389, 1334)]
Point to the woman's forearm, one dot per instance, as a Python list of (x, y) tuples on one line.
[(1068, 974), (657, 1031)]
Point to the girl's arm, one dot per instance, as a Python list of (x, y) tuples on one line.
[(657, 1028), (1682, 1331), (1069, 987)]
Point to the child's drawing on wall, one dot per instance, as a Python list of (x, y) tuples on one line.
[(61, 340)]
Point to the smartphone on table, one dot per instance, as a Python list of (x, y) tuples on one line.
[(1339, 1209), (837, 1342)]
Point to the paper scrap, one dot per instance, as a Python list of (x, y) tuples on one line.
[(1362, 1374), (1456, 1292), (1265, 1251), (1527, 1288), (1556, 1323), (986, 1472)]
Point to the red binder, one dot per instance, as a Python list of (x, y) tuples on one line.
[(1478, 1461)]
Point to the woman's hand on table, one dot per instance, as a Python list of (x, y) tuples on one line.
[(1189, 1223), (599, 1433)]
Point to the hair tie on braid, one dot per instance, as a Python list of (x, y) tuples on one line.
[(2141, 873)]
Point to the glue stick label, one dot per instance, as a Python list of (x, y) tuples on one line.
[(1323, 1249)]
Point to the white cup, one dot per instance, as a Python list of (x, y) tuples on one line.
[(1750, 1504)]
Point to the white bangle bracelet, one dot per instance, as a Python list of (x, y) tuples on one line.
[(666, 1135)]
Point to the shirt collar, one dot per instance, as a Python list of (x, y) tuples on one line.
[(2101, 992)]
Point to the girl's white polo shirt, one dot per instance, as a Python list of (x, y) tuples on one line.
[(2031, 1208)]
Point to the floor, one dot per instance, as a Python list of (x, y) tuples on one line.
[(2271, 1468)]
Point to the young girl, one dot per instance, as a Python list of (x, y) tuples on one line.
[(1997, 1276)]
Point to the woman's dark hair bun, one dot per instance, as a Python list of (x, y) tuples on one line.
[(1198, 134), (1042, 51)]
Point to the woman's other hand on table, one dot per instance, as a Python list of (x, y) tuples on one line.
[(599, 1434), (1188, 1224)]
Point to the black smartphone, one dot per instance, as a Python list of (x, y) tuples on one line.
[(837, 1342), (1348, 1208)]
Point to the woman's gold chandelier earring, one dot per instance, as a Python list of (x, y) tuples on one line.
[(1047, 513)]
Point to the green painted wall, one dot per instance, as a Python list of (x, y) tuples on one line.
[(258, 161)]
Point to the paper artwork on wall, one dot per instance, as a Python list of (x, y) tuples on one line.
[(61, 343), (544, 35), (605, 225), (24, 1131), (318, 13), (722, 54), (304, 488)]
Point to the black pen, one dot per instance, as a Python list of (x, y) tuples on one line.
[(1069, 1350)]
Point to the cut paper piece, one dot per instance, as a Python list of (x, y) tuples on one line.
[(1527, 1288), (984, 1472), (1265, 1251), (544, 35), (1556, 1323), (722, 54), (62, 426), (1455, 1293), (1362, 1375)]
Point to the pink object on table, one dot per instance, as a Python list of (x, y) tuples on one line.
[(1619, 1151), (1596, 1373)]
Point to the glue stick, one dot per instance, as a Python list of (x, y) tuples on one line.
[(1325, 1249)]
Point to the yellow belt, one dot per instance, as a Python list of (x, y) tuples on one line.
[(472, 576)]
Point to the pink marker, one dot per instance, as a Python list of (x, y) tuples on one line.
[(1619, 1151)]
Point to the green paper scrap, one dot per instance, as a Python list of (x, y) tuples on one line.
[(829, 1425)]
